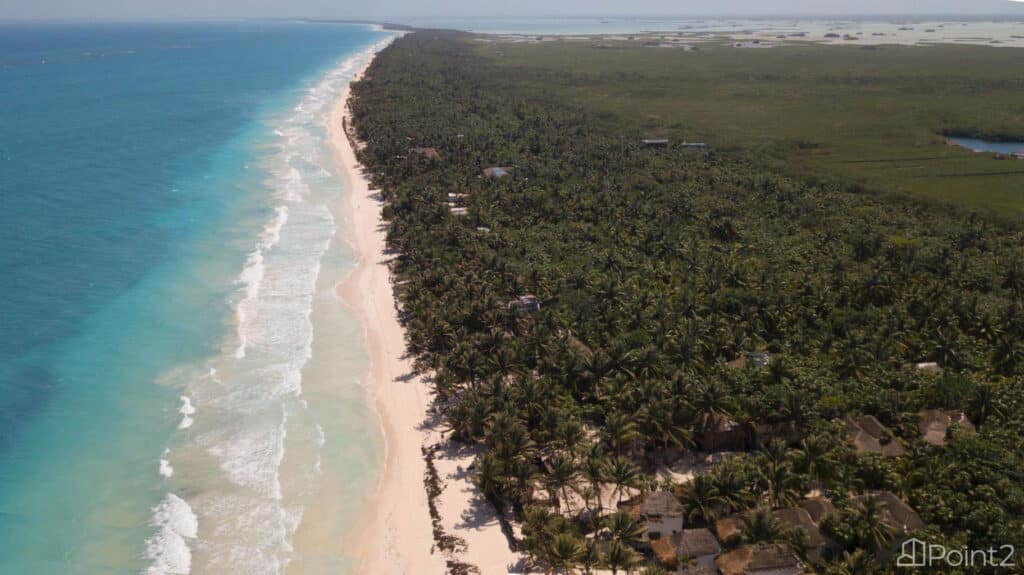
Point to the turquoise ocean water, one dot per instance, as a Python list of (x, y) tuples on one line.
[(178, 382)]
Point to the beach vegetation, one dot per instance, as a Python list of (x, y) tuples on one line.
[(749, 331)]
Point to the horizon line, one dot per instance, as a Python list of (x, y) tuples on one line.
[(404, 20)]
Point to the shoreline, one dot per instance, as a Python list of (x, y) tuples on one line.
[(396, 532), (377, 536)]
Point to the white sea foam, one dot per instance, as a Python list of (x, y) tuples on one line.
[(168, 548), (321, 439), (251, 277), (251, 453), (165, 466), (249, 404), (187, 410)]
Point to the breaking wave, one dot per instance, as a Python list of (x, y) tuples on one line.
[(168, 549), (253, 396)]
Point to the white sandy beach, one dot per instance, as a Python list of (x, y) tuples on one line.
[(395, 535)]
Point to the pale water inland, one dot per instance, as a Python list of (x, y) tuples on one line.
[(977, 145)]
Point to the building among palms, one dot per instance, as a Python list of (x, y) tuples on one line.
[(723, 433), (761, 559), (497, 172), (697, 550), (797, 518), (896, 514), (427, 153), (729, 530), (654, 142), (662, 514), (525, 303), (818, 508), (868, 435), (935, 425)]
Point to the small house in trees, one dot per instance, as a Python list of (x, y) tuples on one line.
[(426, 153), (726, 434), (799, 518), (896, 514), (698, 548), (818, 508), (525, 303), (936, 423), (870, 436), (654, 142), (662, 514), (664, 550), (928, 367), (758, 359), (729, 530), (762, 559), (579, 346), (497, 172), (458, 211)]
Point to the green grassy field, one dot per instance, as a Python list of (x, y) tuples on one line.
[(872, 116)]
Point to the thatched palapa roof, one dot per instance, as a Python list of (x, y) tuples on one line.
[(935, 423), (661, 504), (870, 436), (698, 543)]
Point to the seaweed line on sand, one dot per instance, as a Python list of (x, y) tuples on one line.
[(450, 545)]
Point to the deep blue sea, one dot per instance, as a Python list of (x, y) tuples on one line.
[(166, 232)]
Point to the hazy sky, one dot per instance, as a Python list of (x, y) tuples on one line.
[(397, 9)]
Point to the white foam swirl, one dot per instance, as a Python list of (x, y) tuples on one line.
[(168, 548), (166, 470), (187, 410), (249, 520)]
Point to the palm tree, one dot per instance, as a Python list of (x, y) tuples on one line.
[(624, 474), (760, 525), (570, 434), (813, 458), (795, 412), (1008, 355), (778, 371), (619, 431), (781, 485), (522, 473), (985, 404), (775, 451), (620, 556), (539, 525), (564, 552), (701, 500), (623, 529), (595, 470), (661, 426), (712, 402), (561, 477), (591, 556), (490, 478), (856, 563), (732, 485), (871, 530)]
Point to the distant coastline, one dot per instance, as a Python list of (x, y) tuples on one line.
[(1003, 30)]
